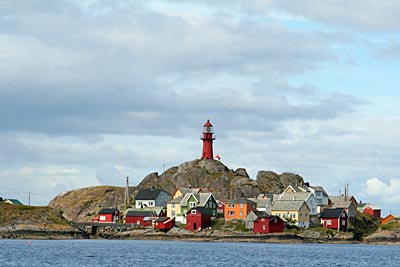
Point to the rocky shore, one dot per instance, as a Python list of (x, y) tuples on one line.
[(177, 234)]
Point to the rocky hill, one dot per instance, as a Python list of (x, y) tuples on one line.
[(222, 181), (82, 204)]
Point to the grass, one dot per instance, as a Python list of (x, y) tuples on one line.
[(391, 226), (21, 214)]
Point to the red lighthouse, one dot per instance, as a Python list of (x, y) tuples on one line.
[(207, 141)]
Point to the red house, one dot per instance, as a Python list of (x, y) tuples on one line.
[(263, 223), (140, 217), (164, 224), (221, 208), (372, 210), (198, 218), (334, 219), (107, 215)]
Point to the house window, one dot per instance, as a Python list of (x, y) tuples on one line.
[(231, 213), (193, 212), (192, 204), (262, 219), (343, 222), (214, 205), (102, 218), (150, 203), (264, 227), (276, 220), (140, 203), (173, 205), (213, 212), (138, 222), (173, 213), (293, 216), (231, 205), (241, 213), (328, 222), (241, 206)]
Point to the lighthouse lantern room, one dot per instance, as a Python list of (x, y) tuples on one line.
[(207, 141)]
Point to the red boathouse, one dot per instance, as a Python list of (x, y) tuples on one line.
[(334, 219), (207, 141), (164, 223), (198, 218)]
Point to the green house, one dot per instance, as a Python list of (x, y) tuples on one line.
[(203, 200)]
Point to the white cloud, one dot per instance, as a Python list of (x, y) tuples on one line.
[(386, 191)]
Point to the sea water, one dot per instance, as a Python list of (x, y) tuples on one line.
[(182, 253)]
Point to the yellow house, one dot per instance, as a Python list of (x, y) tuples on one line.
[(174, 207), (295, 211)]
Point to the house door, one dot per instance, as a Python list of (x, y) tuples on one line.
[(194, 226)]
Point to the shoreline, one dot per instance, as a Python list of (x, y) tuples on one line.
[(282, 238), (177, 234)]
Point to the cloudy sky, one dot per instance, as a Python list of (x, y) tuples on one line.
[(94, 91)]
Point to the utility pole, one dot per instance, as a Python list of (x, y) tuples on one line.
[(29, 198), (127, 193)]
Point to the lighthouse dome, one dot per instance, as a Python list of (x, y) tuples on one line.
[(208, 124)]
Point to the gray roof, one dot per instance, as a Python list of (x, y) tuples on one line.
[(295, 196), (320, 188), (340, 202), (176, 200), (287, 205), (140, 213), (242, 200), (261, 214), (149, 194), (201, 198)]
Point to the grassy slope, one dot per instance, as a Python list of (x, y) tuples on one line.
[(31, 218)]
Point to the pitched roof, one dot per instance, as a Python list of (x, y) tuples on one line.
[(108, 211), (185, 190), (261, 214), (242, 200), (321, 189), (13, 201), (287, 204), (140, 213), (187, 196), (201, 198), (176, 200), (204, 198), (295, 196), (387, 219), (202, 210), (340, 202), (149, 194), (332, 213)]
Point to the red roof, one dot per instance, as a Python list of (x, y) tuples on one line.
[(208, 124)]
